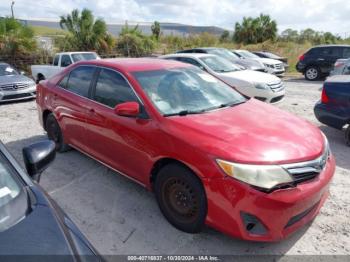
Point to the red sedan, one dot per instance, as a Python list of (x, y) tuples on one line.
[(210, 155)]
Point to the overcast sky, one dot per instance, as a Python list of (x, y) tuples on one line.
[(322, 15)]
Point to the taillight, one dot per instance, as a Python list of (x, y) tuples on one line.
[(301, 58), (338, 64), (324, 97)]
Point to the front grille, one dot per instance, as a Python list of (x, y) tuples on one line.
[(300, 216), (279, 66), (277, 87), (17, 96), (276, 99), (14, 86), (308, 170)]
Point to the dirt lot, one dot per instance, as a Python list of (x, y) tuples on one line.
[(120, 217)]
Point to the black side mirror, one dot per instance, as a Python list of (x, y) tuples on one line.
[(37, 157)]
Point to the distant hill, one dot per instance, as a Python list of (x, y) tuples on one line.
[(166, 28)]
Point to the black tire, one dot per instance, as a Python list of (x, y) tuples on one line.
[(181, 198), (347, 135), (54, 133), (312, 73)]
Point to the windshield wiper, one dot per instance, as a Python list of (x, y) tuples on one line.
[(225, 105), (185, 112)]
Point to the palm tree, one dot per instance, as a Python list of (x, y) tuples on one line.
[(15, 39), (86, 32)]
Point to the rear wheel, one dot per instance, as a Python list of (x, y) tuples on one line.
[(181, 198), (347, 135), (312, 73), (54, 133)]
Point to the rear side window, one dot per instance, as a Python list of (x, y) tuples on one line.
[(112, 89), (80, 79), (56, 59), (346, 52)]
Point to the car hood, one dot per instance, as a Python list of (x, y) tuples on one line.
[(253, 132), (11, 79), (249, 63), (250, 76), (269, 61)]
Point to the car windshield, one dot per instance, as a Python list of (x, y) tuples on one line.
[(84, 56), (7, 70), (188, 90), (271, 55), (219, 64), (223, 53), (13, 197), (247, 54)]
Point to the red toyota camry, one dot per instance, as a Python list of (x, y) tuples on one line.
[(210, 155)]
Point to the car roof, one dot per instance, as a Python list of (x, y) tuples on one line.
[(195, 55), (135, 64), (70, 53), (317, 46)]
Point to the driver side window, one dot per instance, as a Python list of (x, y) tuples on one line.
[(65, 60)]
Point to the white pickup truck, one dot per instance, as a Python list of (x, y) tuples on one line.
[(60, 61)]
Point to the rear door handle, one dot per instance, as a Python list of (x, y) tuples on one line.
[(91, 110), (320, 59)]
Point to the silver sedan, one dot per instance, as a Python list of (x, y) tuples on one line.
[(15, 85)]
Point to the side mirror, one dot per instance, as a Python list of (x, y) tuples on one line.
[(37, 157), (130, 109), (22, 73)]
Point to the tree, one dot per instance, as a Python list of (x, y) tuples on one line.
[(224, 36), (156, 29), (255, 30), (133, 43), (289, 35), (15, 39), (86, 32)]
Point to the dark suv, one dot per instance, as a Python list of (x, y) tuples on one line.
[(318, 61)]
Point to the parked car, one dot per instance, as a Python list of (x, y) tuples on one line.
[(224, 53), (272, 66), (212, 157), (60, 61), (262, 86), (318, 61), (15, 85), (341, 67), (334, 107), (266, 54), (31, 223)]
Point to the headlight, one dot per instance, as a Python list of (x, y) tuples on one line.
[(261, 86), (263, 176)]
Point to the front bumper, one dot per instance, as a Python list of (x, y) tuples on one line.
[(281, 212), (19, 94)]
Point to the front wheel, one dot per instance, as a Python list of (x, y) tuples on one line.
[(54, 133), (181, 198), (312, 73)]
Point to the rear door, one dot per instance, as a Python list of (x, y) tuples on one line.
[(326, 57), (70, 104), (118, 141)]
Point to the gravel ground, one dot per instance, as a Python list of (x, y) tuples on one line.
[(120, 217)]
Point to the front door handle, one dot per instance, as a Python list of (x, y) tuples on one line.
[(91, 110)]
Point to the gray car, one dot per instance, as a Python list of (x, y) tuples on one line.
[(341, 67), (250, 64), (15, 85)]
